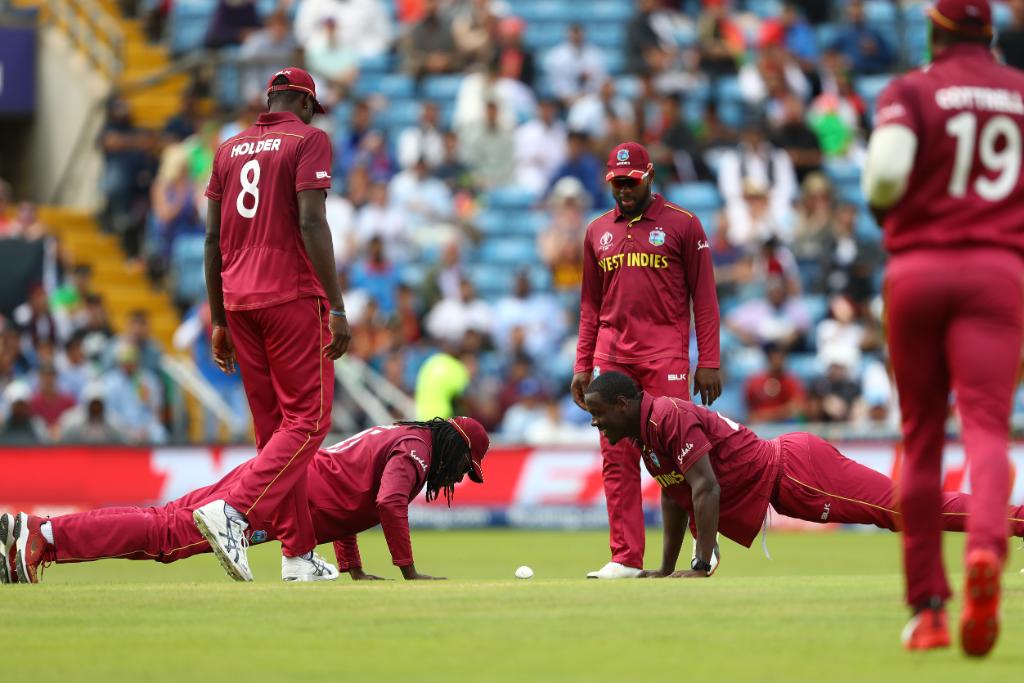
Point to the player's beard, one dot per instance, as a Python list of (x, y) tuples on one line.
[(640, 203)]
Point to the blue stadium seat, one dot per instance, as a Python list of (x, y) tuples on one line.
[(187, 269), (525, 223), (441, 87), (610, 37), (826, 34), (1002, 15), (816, 305), (393, 86), (399, 114), (879, 12), (545, 11), (492, 222), (376, 64), (188, 23), (803, 365), (510, 198), (842, 172), (491, 280), (870, 87), (765, 8), (543, 36), (694, 195), (610, 11), (507, 251)]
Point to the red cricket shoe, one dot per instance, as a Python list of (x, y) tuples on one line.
[(979, 623), (31, 549), (927, 630)]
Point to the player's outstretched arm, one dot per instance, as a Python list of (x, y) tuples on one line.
[(674, 521), (316, 236), (706, 494)]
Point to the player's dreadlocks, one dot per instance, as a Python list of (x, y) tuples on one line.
[(448, 455)]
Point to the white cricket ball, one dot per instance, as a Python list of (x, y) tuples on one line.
[(524, 572)]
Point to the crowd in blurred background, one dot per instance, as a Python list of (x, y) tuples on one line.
[(470, 138)]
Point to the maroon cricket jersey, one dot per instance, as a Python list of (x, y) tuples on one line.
[(369, 479), (675, 434), (639, 277), (965, 189), (256, 176)]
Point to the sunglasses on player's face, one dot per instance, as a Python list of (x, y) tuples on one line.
[(625, 182)]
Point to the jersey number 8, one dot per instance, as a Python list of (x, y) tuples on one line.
[(1005, 161), (249, 187)]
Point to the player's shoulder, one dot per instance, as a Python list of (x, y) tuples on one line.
[(601, 220), (675, 213)]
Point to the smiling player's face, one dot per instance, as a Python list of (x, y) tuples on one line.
[(609, 418)]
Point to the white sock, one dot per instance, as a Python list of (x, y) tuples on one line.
[(47, 531), (236, 516)]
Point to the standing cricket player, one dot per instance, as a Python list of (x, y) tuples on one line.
[(643, 263), (278, 312), (722, 475), (944, 176), (368, 479)]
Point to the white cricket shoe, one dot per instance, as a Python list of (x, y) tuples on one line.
[(313, 568), (227, 539), (6, 546), (614, 570)]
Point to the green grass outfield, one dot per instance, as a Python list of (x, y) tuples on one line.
[(825, 609)]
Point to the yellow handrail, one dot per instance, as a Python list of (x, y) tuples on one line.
[(92, 30)]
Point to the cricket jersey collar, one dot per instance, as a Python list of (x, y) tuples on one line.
[(961, 50), (272, 118), (652, 211), (646, 410)]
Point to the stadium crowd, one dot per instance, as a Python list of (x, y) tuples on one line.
[(470, 138)]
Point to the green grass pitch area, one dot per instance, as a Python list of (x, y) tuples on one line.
[(825, 609)]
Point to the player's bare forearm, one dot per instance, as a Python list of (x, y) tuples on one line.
[(705, 493), (674, 520), (212, 262), (316, 237)]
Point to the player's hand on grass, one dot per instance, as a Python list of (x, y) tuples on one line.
[(688, 574), (580, 382), (707, 382), (652, 574), (340, 336), (358, 574), (223, 349), (410, 574)]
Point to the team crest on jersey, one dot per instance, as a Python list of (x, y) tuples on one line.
[(657, 237), (623, 155)]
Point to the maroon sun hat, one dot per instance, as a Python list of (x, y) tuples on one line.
[(971, 18), (477, 440), (629, 160), (298, 79)]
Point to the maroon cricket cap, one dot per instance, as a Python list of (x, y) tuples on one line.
[(477, 440), (628, 160), (298, 79), (971, 18)]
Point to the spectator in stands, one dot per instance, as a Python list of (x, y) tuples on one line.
[(864, 47), (341, 216), (720, 40), (408, 317), (377, 276), (713, 133), (837, 120), (137, 334), (48, 402), (422, 141), (88, 422), (133, 395), (443, 279), (185, 121), (593, 114), (232, 20), (876, 404), (475, 29), (776, 394), (35, 321), (263, 53), (560, 244), (813, 218), (96, 324), (528, 410), (381, 219), (21, 427), (424, 201), (331, 59), (455, 174), (364, 24), (1010, 40), (849, 262), (25, 223), (834, 395), (442, 381), (67, 302), (516, 59), (798, 37), (429, 47), (371, 335), (515, 101), (488, 149), (673, 146), (242, 119), (575, 68), (173, 197), (74, 371), (797, 139), (5, 201), (777, 318), (538, 314), (128, 169), (581, 164), (841, 334), (775, 260), (358, 141), (757, 159), (452, 318), (643, 49), (751, 221), (774, 72), (540, 148)]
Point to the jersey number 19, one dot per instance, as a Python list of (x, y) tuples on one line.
[(999, 150)]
